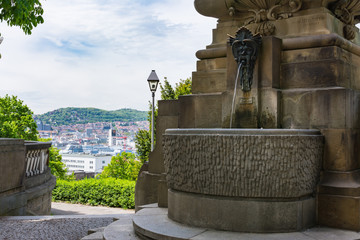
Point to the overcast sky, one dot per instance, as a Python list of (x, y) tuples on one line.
[(99, 53)]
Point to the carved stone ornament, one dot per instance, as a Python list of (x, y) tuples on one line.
[(348, 11), (245, 48), (265, 11)]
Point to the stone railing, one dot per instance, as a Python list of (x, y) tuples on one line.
[(37, 158), (26, 182)]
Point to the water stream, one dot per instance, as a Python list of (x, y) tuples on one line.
[(234, 96)]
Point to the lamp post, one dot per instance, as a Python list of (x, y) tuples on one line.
[(153, 81)]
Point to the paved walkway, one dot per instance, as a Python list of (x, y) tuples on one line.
[(59, 208), (73, 222)]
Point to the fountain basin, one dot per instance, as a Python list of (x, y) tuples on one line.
[(273, 172)]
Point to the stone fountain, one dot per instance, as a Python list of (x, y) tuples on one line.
[(290, 160)]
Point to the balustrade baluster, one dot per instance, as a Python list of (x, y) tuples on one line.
[(36, 158)]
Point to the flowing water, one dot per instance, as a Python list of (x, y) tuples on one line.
[(234, 96)]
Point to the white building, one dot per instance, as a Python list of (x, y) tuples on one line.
[(86, 163)]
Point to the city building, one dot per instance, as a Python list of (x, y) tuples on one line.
[(85, 162)]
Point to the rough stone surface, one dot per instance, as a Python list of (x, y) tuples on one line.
[(40, 205), (12, 164), (49, 228), (243, 165)]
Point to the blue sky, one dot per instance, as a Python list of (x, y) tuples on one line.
[(98, 53)]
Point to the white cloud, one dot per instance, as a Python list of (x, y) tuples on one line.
[(96, 53)]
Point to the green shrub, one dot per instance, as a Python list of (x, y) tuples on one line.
[(106, 192)]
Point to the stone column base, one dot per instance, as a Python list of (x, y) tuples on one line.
[(242, 214)]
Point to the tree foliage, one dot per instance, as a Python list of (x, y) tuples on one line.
[(16, 119), (184, 87), (143, 137), (57, 167), (143, 144), (123, 166), (25, 14), (167, 91)]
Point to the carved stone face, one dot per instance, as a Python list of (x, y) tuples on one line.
[(245, 47), (244, 53)]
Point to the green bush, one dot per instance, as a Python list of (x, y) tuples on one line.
[(106, 192)]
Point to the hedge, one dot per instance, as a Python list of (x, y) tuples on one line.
[(106, 192)]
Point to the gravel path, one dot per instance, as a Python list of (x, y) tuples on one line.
[(50, 228), (73, 222)]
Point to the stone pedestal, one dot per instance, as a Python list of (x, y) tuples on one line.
[(306, 77)]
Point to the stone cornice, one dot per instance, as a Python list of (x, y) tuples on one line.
[(265, 12), (348, 11)]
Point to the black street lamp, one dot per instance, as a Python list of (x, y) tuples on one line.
[(153, 81)]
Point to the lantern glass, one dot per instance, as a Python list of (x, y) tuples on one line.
[(153, 81)]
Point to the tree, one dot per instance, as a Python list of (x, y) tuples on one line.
[(184, 87), (123, 166), (25, 14), (167, 92), (16, 119), (57, 167), (143, 137), (143, 144)]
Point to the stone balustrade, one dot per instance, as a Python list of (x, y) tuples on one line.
[(26, 182), (37, 158)]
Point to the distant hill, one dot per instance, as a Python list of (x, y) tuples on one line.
[(71, 115)]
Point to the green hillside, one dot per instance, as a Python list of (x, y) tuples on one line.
[(68, 116)]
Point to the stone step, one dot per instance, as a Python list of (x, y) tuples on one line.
[(209, 81), (211, 64), (121, 229), (94, 236), (153, 223), (94, 230)]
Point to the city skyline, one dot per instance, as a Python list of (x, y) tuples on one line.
[(99, 54)]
